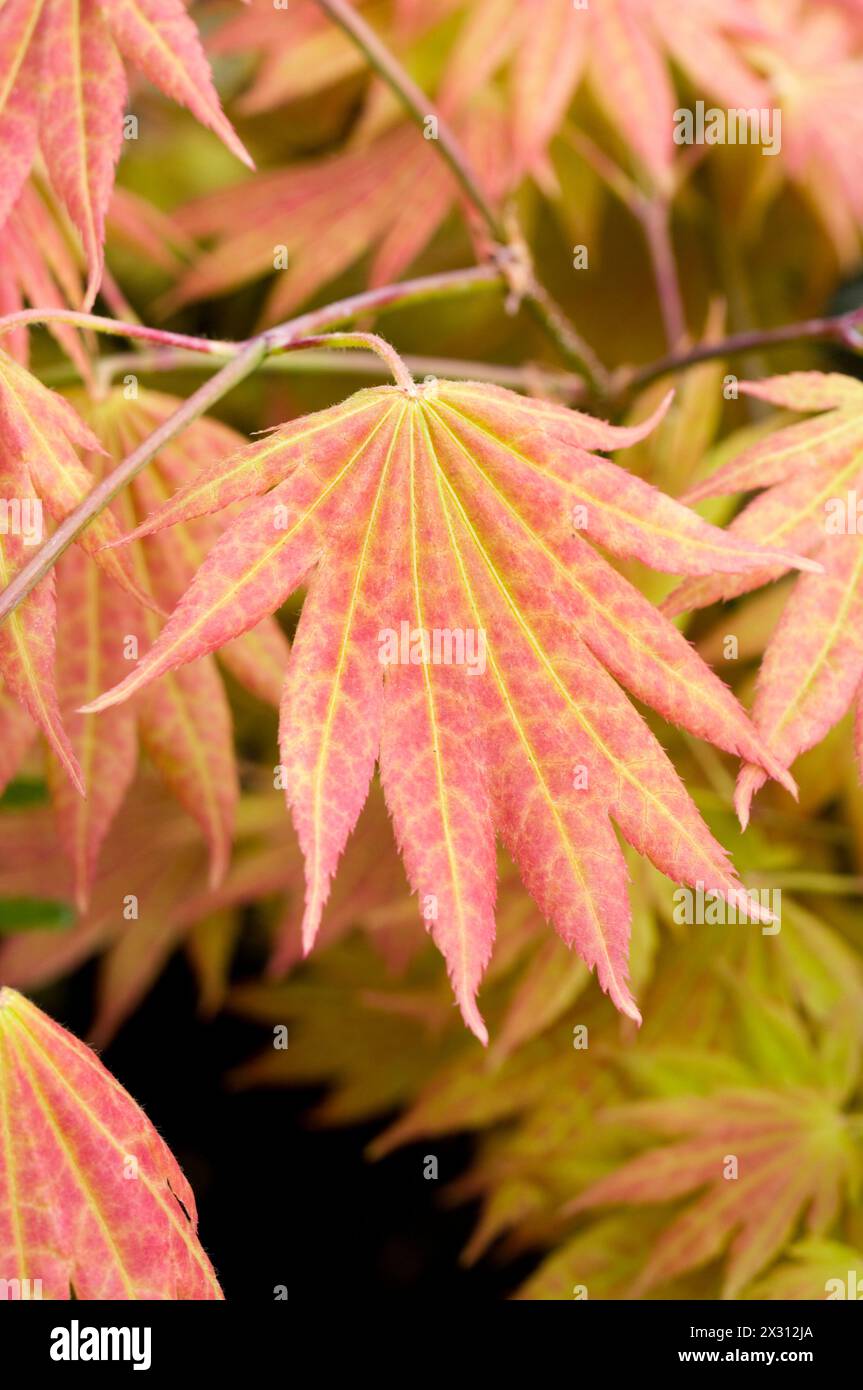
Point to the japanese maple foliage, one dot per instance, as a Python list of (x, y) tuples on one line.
[(454, 507), (796, 1154), (439, 615), (813, 665), (92, 1202), (102, 625), (65, 95)]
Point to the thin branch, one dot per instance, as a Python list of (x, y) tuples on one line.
[(415, 291), (422, 288), (419, 105), (845, 329), (245, 362), (115, 328), (572, 346), (510, 252), (655, 219), (565, 386), (653, 213)]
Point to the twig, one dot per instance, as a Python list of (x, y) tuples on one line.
[(116, 328), (653, 213), (341, 311), (844, 329), (654, 217), (573, 348), (419, 105), (424, 287), (565, 386), (240, 366), (510, 253)]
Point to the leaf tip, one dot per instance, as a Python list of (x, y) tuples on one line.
[(802, 562), (474, 1020), (114, 696), (750, 780)]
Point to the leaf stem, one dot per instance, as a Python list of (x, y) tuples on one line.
[(372, 341)]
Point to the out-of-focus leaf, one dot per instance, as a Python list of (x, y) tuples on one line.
[(92, 1202)]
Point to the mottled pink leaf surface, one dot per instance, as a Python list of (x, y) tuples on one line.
[(92, 1203), (811, 476), (63, 90), (184, 721), (460, 629)]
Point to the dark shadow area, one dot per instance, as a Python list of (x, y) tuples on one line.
[(281, 1203)]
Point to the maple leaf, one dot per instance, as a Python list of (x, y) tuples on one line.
[(813, 665), (301, 52), (725, 1014), (632, 46), (64, 92), (100, 628), (604, 1257), (391, 193), (622, 48), (70, 1217), (511, 73), (39, 268), (41, 434), (17, 732), (39, 463), (400, 1054), (389, 196), (815, 68), (452, 510), (146, 231), (796, 1158)]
